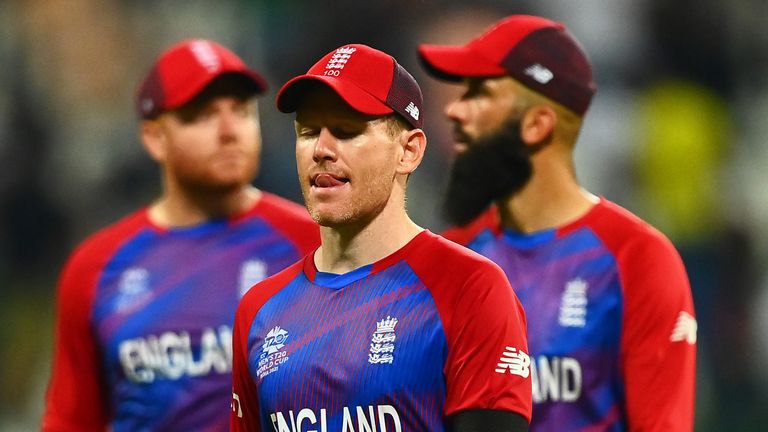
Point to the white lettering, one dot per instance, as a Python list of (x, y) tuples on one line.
[(306, 414), (348, 425), (570, 379), (371, 418), (171, 356), (556, 379), (364, 423), (236, 404), (389, 410), (279, 423), (130, 358)]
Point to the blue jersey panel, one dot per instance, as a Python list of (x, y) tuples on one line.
[(366, 350), (571, 292), (163, 314)]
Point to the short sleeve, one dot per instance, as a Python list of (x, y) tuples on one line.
[(75, 399), (245, 403), (488, 365), (659, 337)]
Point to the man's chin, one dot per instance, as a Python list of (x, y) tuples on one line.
[(487, 170)]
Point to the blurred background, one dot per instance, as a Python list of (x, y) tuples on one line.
[(676, 134)]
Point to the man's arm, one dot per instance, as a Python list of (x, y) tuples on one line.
[(487, 420), (245, 408), (75, 399), (488, 367), (659, 338)]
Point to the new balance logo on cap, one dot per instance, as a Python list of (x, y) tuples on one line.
[(685, 329), (539, 73), (413, 110), (515, 362)]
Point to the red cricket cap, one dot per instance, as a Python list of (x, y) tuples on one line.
[(184, 69), (538, 52), (369, 80)]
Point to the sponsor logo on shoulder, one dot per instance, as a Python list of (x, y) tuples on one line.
[(685, 329), (382, 346), (514, 361)]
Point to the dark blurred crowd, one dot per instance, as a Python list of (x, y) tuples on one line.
[(676, 134)]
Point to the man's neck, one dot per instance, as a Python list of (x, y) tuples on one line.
[(551, 199), (352, 246), (184, 209)]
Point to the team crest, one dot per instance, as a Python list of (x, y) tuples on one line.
[(382, 346), (252, 272), (573, 304)]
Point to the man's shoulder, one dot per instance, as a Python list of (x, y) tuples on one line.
[(620, 228), (466, 234), (639, 248), (110, 237), (260, 293), (92, 254), (449, 260)]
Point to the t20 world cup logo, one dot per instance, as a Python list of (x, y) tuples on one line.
[(274, 341)]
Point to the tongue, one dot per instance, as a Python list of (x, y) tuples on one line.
[(325, 180)]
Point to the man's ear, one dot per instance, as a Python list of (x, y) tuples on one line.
[(538, 124), (153, 138), (414, 145)]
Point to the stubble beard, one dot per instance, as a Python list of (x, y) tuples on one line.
[(359, 210)]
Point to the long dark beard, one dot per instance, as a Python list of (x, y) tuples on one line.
[(492, 168)]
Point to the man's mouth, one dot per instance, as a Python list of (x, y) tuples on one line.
[(327, 180)]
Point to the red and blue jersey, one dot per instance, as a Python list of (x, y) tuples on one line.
[(611, 325), (145, 315), (397, 345)]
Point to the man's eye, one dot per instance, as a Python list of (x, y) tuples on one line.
[(195, 116), (346, 133), (307, 132), (245, 109)]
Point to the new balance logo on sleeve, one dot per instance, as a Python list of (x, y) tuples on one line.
[(514, 361), (685, 329)]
